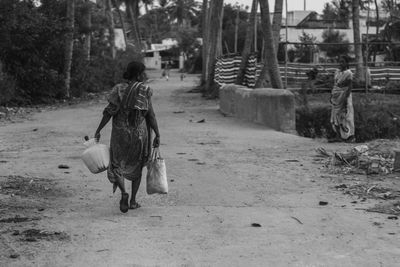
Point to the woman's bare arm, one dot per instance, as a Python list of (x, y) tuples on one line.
[(152, 121), (106, 118)]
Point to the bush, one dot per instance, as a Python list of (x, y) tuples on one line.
[(314, 121), (100, 74), (7, 89), (372, 118)]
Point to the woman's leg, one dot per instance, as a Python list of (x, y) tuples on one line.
[(135, 188), (123, 203)]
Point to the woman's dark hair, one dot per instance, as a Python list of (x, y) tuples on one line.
[(133, 70), (346, 59)]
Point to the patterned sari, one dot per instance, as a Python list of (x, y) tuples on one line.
[(129, 105), (342, 114)]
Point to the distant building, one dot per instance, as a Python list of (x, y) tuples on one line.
[(154, 54), (312, 23)]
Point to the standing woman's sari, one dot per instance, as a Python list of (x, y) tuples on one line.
[(342, 115)]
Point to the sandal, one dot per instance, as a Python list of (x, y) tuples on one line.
[(134, 206), (123, 203)]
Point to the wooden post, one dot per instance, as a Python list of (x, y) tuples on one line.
[(396, 165)]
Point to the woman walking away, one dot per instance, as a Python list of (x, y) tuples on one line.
[(133, 119), (342, 114)]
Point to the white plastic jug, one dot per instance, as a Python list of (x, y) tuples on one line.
[(96, 157)]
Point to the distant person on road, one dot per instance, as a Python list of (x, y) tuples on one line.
[(342, 114), (166, 70), (133, 116)]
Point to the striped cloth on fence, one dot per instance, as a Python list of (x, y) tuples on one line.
[(227, 67)]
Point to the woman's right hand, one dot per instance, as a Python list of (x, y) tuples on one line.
[(97, 136), (156, 142)]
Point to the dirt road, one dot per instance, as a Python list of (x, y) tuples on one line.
[(224, 175)]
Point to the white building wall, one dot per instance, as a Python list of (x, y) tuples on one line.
[(153, 62)]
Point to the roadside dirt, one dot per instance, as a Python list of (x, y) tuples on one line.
[(240, 194)]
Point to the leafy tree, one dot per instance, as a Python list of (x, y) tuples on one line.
[(334, 43), (155, 25), (339, 10), (389, 5), (185, 12), (32, 42), (305, 51), (228, 26)]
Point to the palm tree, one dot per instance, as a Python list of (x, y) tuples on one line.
[(132, 10), (110, 24), (277, 22), (270, 59), (183, 11), (204, 23), (248, 42), (213, 28), (360, 73), (69, 46), (117, 5), (88, 20)]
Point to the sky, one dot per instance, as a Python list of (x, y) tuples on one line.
[(315, 5)]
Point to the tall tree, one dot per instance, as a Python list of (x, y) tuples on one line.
[(117, 5), (248, 42), (277, 22), (111, 27), (69, 46), (184, 11), (132, 9), (213, 27), (270, 59), (88, 33), (204, 25), (360, 73)]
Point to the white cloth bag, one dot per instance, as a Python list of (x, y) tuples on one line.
[(96, 157), (156, 180)]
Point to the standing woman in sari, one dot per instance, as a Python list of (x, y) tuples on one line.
[(342, 114), (130, 107)]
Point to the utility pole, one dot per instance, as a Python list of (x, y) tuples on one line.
[(305, 5)]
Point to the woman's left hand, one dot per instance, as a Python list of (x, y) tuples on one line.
[(156, 141)]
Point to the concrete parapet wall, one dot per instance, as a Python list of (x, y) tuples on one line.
[(274, 108)]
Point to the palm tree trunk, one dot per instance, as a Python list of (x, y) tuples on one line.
[(204, 23), (88, 20), (117, 5), (360, 73), (131, 11), (69, 46), (247, 43), (213, 29), (110, 23), (219, 41), (277, 22), (270, 59)]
